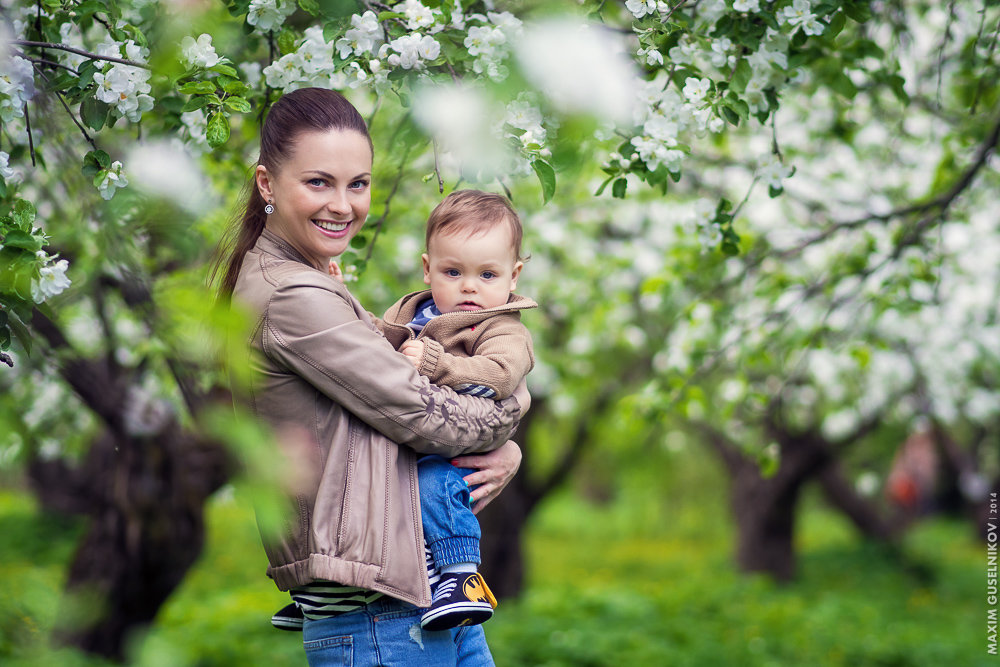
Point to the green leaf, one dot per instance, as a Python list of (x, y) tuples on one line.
[(604, 185), (286, 41), (741, 75), (859, 11), (225, 69), (310, 6), (24, 214), (837, 23), (94, 112), (618, 189), (238, 104), (21, 333), (842, 84), (235, 87), (98, 159), (547, 177), (22, 240), (217, 132), (195, 103), (731, 116), (197, 88)]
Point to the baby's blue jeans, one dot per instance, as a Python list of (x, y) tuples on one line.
[(451, 530)]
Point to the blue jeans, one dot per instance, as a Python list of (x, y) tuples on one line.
[(387, 633), (451, 530)]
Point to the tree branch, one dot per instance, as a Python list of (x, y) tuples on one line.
[(79, 52)]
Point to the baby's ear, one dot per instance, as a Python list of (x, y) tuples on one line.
[(427, 268), (514, 275)]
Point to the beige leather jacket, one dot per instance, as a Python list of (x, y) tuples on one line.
[(321, 366)]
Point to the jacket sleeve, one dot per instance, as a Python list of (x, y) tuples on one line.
[(502, 358), (316, 333)]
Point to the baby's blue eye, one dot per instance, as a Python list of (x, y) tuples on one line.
[(453, 273), (489, 275)]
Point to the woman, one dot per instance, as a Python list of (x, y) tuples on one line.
[(321, 367)]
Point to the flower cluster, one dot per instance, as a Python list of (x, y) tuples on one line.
[(124, 87), (663, 115), (488, 43), (310, 65), (411, 51), (17, 86), (268, 15), (200, 52)]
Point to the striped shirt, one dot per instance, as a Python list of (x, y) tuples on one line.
[(323, 599)]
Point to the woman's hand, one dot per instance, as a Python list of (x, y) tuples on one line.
[(493, 471)]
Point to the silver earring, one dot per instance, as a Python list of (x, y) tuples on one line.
[(269, 209)]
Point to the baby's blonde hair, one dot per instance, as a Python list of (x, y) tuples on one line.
[(474, 212)]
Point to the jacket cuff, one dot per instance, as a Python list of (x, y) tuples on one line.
[(432, 354)]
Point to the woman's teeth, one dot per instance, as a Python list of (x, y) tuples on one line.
[(331, 226)]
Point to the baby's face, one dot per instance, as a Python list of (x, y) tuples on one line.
[(471, 272)]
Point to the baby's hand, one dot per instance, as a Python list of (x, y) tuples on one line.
[(413, 349), (334, 270)]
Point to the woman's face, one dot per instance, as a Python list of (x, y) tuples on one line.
[(321, 193)]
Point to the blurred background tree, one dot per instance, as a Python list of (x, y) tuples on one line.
[(765, 227)]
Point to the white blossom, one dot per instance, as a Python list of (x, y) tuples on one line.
[(267, 15), (720, 52), (417, 15), (800, 14), (772, 172), (51, 281), (411, 51), (364, 36), (17, 86), (200, 52), (195, 128), (113, 178), (746, 5), (6, 171), (695, 89), (580, 67), (640, 8)]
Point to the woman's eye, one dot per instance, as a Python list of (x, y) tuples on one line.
[(317, 182), (359, 185)]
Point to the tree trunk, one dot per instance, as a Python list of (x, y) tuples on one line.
[(764, 510), (503, 523), (145, 499)]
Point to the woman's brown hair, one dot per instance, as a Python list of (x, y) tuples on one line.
[(302, 110)]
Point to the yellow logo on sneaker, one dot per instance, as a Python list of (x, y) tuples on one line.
[(475, 588)]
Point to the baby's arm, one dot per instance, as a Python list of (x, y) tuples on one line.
[(503, 358)]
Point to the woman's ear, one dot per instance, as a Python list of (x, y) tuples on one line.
[(263, 179)]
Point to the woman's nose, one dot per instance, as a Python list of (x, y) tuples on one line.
[(338, 202)]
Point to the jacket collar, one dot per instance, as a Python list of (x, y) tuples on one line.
[(404, 309), (273, 244)]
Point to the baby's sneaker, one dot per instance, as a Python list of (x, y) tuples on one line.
[(461, 598)]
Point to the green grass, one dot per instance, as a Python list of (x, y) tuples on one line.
[(645, 580)]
